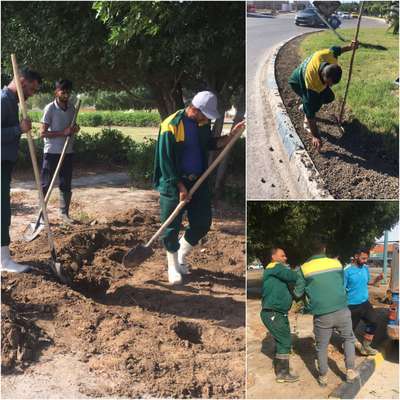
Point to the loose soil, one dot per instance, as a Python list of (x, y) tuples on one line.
[(354, 165), (261, 349), (134, 334)]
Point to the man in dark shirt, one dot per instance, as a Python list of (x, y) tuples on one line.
[(11, 131), (182, 149)]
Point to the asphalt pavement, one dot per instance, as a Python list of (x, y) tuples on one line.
[(267, 174)]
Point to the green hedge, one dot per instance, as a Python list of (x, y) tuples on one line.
[(110, 146), (108, 118)]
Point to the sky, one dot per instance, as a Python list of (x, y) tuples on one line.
[(393, 234)]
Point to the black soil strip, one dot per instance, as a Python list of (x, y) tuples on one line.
[(354, 165)]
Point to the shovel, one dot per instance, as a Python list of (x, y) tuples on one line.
[(340, 118), (140, 253), (54, 264), (33, 230)]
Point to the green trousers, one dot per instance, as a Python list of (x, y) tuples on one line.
[(6, 170), (278, 325), (198, 212)]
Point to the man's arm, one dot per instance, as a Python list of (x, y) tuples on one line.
[(166, 155), (284, 274), (345, 279), (222, 141), (11, 134), (316, 138), (45, 133), (351, 46), (373, 282), (299, 289)]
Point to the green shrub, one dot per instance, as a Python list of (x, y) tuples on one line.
[(141, 161), (108, 118), (110, 146)]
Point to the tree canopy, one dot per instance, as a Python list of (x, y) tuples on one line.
[(169, 47), (346, 225)]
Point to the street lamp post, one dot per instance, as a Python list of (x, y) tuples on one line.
[(385, 256)]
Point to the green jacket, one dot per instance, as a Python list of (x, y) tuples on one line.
[(321, 280), (169, 150), (275, 292), (307, 78)]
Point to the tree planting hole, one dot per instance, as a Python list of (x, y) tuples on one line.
[(188, 331)]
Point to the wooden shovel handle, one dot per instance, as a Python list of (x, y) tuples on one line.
[(351, 65), (203, 177), (33, 155)]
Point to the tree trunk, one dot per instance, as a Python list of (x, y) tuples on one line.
[(221, 172), (168, 96)]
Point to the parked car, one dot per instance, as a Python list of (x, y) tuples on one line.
[(310, 17), (346, 15), (255, 265), (393, 318)]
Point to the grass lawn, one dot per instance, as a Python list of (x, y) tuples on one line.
[(137, 134), (373, 98)]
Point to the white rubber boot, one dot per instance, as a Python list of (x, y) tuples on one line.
[(174, 277), (184, 249), (7, 264)]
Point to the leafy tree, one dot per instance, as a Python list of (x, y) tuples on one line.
[(167, 47), (294, 225)]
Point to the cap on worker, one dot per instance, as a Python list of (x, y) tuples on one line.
[(207, 103)]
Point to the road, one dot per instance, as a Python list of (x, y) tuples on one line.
[(267, 173)]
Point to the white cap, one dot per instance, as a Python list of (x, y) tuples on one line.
[(207, 103)]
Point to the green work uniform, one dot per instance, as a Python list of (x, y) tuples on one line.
[(321, 280), (168, 172), (276, 302), (306, 80)]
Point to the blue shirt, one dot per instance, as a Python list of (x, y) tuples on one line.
[(10, 130), (192, 162), (356, 283)]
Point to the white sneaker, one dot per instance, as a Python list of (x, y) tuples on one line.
[(184, 249), (8, 265), (174, 277), (306, 125)]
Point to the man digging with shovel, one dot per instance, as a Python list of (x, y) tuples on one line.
[(11, 131), (312, 81), (184, 141), (55, 129)]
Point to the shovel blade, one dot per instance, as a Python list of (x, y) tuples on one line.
[(58, 270), (136, 256), (32, 231)]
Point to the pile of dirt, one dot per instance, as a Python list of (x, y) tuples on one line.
[(21, 339), (354, 165), (140, 336)]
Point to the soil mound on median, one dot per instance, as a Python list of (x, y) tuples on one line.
[(353, 165)]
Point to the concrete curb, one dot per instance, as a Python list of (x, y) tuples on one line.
[(349, 390), (300, 163)]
